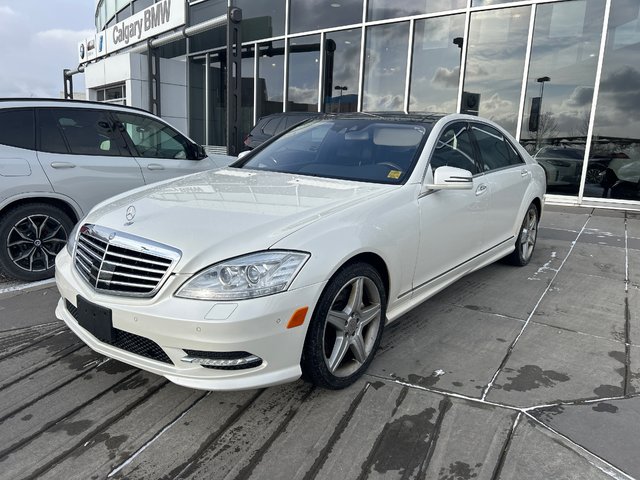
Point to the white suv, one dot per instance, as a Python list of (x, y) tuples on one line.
[(58, 158)]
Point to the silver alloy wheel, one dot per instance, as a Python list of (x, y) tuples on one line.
[(529, 233), (351, 326), (34, 242)]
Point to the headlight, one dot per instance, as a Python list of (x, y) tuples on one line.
[(71, 239), (249, 276)]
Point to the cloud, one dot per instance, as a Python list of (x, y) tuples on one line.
[(303, 95), (390, 103), (446, 78), (6, 10), (63, 35), (580, 97)]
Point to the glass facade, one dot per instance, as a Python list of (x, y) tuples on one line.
[(304, 68), (615, 143), (541, 69), (385, 67)]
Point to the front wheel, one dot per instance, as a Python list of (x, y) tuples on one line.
[(346, 327), (30, 238), (526, 241)]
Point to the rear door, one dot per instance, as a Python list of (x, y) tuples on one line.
[(161, 151), (20, 171), (507, 177), (83, 155)]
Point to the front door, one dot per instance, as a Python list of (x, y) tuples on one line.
[(452, 222), (161, 151)]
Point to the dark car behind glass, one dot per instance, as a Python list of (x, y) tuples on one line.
[(273, 125)]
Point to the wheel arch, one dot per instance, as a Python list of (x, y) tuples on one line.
[(63, 205), (373, 259)]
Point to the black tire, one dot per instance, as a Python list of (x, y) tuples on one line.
[(318, 349), (529, 228), (30, 237)]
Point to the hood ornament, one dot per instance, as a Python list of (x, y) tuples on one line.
[(130, 215)]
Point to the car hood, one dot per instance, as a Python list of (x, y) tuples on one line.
[(220, 214)]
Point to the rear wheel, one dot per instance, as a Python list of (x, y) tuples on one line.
[(30, 238), (526, 241), (346, 328)]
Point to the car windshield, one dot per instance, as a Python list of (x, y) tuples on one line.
[(367, 150)]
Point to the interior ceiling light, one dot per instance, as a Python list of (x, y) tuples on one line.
[(336, 5)]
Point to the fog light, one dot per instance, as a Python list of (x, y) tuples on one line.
[(222, 360)]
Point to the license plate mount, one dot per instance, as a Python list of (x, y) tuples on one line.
[(95, 319)]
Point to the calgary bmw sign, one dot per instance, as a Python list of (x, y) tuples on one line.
[(154, 20)]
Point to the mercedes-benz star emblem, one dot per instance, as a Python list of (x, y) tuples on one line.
[(130, 215)]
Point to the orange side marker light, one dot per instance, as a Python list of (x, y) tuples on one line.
[(298, 317)]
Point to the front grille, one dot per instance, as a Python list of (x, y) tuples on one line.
[(131, 342), (117, 263)]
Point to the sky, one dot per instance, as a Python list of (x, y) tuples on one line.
[(38, 39)]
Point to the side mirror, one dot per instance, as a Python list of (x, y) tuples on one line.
[(451, 178), (196, 152), (243, 154)]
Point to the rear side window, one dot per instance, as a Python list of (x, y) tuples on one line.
[(495, 150), (17, 128), (271, 126), (78, 131)]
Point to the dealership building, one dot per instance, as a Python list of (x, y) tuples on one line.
[(563, 77)]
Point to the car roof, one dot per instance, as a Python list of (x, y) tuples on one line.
[(62, 102)]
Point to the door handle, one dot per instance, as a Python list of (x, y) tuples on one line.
[(62, 165), (155, 166), (524, 172), (481, 189)]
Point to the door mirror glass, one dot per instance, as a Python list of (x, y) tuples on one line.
[(451, 178)]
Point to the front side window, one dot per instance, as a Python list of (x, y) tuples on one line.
[(367, 150), (78, 131), (153, 139), (494, 149), (17, 128), (454, 149)]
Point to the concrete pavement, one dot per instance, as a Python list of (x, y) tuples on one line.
[(511, 373)]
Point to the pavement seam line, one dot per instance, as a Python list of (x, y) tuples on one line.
[(27, 286), (533, 311), (514, 408), (526, 411), (612, 471), (505, 448), (156, 436), (599, 337), (627, 313)]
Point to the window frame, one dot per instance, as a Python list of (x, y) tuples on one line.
[(476, 154), (189, 146), (504, 139)]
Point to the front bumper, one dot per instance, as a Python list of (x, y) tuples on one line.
[(257, 326)]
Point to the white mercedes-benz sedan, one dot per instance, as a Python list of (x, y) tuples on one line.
[(292, 260)]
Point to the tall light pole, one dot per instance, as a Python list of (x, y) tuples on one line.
[(342, 88)]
